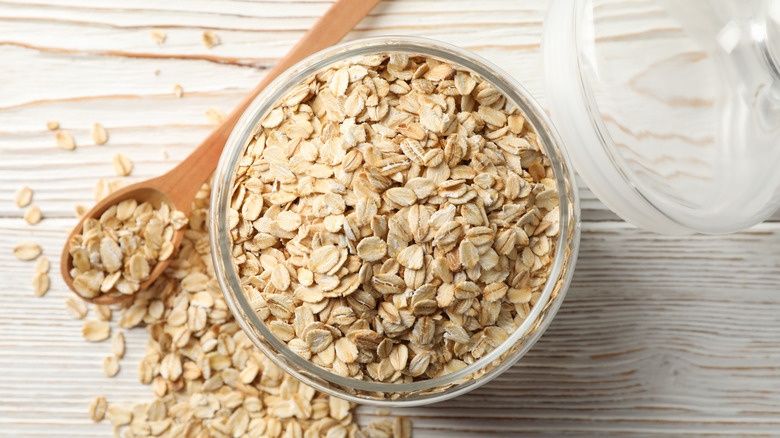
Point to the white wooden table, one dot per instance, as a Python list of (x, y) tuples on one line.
[(663, 336)]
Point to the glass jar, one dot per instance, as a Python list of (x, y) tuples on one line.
[(426, 391), (670, 110)]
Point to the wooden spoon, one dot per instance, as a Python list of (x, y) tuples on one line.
[(178, 187)]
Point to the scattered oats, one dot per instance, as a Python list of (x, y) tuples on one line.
[(65, 141), (156, 72), (119, 415), (158, 36), (339, 409), (104, 187), (210, 39), (42, 265), (79, 210), (102, 312), (402, 428), (178, 90), (99, 134), (164, 154), (110, 366), (40, 284), (23, 196), (32, 215), (207, 377), (194, 282), (76, 307), (96, 331), (52, 125), (27, 251), (122, 165), (118, 344), (203, 299), (215, 116), (97, 409), (381, 428)]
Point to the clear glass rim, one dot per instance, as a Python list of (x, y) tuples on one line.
[(221, 243)]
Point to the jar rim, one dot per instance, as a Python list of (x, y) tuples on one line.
[(321, 378)]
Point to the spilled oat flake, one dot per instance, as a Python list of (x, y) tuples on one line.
[(123, 166), (158, 36), (206, 376), (65, 141), (210, 39), (23, 196), (33, 215), (99, 134)]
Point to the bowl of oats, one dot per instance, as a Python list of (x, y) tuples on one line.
[(394, 222)]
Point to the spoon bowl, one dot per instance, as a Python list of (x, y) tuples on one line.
[(141, 192)]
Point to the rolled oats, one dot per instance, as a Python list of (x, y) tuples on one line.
[(158, 36), (33, 215), (215, 116), (23, 196), (76, 308), (96, 331), (208, 378), (123, 166), (40, 284), (393, 218), (42, 265), (117, 252), (99, 134), (178, 91), (52, 125), (97, 409), (102, 312), (118, 344), (79, 210), (110, 366), (119, 415), (210, 39), (65, 141), (27, 251)]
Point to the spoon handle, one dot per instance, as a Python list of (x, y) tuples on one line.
[(183, 181)]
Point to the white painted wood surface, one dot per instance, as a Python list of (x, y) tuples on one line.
[(663, 336)]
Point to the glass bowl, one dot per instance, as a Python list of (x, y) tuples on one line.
[(425, 391)]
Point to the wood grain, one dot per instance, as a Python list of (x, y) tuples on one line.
[(658, 336)]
